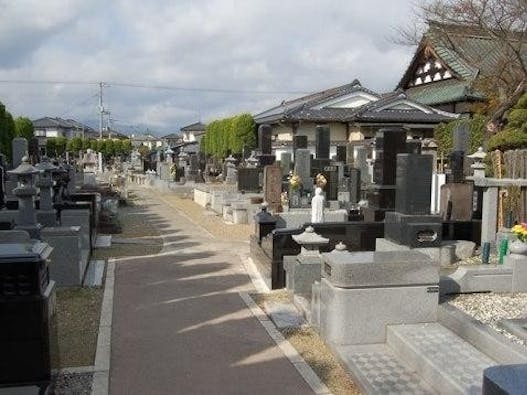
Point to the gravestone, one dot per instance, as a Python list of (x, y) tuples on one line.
[(361, 163), (354, 185), (381, 196), (350, 154), (33, 151), (19, 150), (341, 153), (272, 186), (285, 162), (456, 201), (411, 224), (303, 167), (331, 189), (249, 179), (456, 175), (299, 142), (193, 172), (322, 135), (264, 139), (461, 143)]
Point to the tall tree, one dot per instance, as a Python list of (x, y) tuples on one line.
[(7, 131), (504, 24), (24, 128)]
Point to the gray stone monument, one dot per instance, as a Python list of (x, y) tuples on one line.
[(303, 168), (285, 162), (317, 206), (19, 150)]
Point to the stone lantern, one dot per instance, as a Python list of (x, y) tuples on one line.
[(252, 162), (25, 192), (168, 155), (310, 242), (46, 215), (478, 166)]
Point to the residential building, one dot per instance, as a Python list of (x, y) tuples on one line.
[(352, 112), (47, 127)]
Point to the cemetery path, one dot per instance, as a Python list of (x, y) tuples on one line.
[(179, 324)]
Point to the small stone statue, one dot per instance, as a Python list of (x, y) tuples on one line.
[(317, 206)]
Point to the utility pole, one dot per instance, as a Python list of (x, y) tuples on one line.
[(101, 110)]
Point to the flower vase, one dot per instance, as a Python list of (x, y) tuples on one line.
[(518, 247)]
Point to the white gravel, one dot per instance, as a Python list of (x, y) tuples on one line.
[(490, 308)]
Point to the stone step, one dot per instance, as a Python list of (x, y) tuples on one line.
[(376, 370), (440, 357)]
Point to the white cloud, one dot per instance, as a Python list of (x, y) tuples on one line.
[(222, 44)]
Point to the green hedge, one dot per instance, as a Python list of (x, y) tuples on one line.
[(443, 134), (229, 135), (514, 136)]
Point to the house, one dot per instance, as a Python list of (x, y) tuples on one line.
[(149, 140), (193, 132), (47, 127), (172, 139), (353, 112), (447, 65)]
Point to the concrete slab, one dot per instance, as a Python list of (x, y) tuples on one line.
[(103, 241), (284, 315), (94, 273)]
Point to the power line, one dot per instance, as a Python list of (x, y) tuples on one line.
[(158, 87)]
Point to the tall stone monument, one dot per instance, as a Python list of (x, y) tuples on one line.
[(265, 145)]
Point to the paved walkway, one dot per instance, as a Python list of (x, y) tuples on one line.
[(179, 324)]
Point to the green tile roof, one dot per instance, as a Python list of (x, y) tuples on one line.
[(446, 91)]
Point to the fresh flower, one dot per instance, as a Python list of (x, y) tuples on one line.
[(295, 181), (173, 169), (520, 231), (320, 180)]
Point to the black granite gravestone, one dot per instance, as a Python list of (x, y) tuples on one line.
[(341, 153), (414, 184), (264, 139), (299, 142), (413, 146), (411, 224), (322, 136), (456, 167), (381, 196), (249, 179)]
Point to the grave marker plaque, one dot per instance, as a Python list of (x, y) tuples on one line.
[(303, 167)]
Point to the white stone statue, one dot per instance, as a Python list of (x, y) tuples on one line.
[(317, 206)]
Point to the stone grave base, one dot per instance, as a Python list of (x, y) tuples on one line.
[(509, 277), (449, 252), (360, 315)]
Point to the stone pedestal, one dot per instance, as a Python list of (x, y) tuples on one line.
[(363, 292), (305, 269)]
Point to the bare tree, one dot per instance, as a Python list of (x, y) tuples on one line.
[(504, 24)]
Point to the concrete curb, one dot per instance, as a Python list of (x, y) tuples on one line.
[(101, 371), (258, 283), (289, 351)]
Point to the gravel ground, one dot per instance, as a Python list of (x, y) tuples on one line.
[(212, 223), (73, 383), (311, 347), (490, 308)]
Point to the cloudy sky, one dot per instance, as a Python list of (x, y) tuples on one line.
[(218, 57)]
